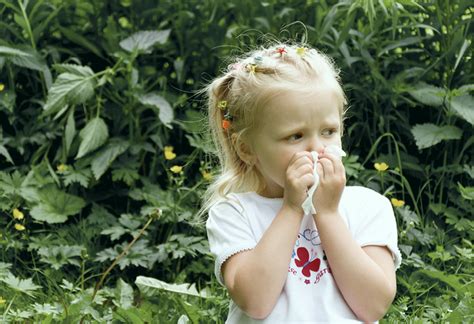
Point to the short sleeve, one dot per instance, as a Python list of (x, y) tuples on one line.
[(378, 227), (228, 232)]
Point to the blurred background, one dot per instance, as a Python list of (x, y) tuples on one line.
[(104, 153)]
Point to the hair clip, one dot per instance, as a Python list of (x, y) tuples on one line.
[(258, 60), (227, 121), (250, 67), (222, 104), (301, 51), (281, 51), (234, 66)]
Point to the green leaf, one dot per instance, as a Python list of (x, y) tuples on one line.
[(464, 107), (466, 192), (148, 285), (427, 135), (144, 40), (25, 286), (428, 94), (77, 176), (93, 135), (73, 87), (107, 155), (55, 206), (80, 40), (158, 102), (58, 256), (69, 131), (123, 295), (4, 152)]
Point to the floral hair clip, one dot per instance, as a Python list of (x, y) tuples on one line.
[(226, 121), (251, 67), (258, 60), (281, 51), (301, 51)]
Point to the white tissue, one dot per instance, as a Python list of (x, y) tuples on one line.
[(308, 203)]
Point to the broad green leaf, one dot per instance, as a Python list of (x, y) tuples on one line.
[(25, 286), (148, 285), (450, 279), (464, 107), (144, 40), (123, 294), (107, 155), (427, 135), (9, 52), (428, 94), (133, 316), (56, 206), (156, 101), (80, 40), (70, 88), (93, 135)]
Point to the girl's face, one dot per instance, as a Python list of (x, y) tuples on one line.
[(290, 123)]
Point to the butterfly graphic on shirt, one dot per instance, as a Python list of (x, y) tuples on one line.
[(303, 261)]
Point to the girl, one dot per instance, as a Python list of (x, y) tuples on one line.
[(273, 115)]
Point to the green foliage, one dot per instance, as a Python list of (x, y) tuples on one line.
[(91, 92)]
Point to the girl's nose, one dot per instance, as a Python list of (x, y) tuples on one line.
[(316, 145)]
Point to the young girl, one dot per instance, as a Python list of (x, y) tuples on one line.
[(276, 120)]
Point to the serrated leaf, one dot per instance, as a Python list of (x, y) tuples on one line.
[(77, 176), (93, 135), (56, 206), (58, 256), (25, 286), (427, 135), (148, 285), (126, 175), (156, 101), (70, 88), (107, 155), (464, 107), (115, 232), (466, 192), (84, 71), (144, 40), (428, 94)]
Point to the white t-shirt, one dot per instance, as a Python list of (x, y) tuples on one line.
[(310, 294)]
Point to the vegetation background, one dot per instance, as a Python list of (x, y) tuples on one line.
[(104, 157)]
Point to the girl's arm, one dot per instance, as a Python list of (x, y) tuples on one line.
[(255, 278), (365, 276)]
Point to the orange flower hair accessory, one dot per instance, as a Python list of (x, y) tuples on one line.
[(226, 121)]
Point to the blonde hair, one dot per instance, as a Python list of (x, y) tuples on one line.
[(247, 86)]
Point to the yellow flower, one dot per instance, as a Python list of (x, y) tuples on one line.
[(169, 155), (206, 175), (2, 87), (381, 166), (2, 301), (17, 214), (397, 203), (176, 169), (19, 227), (62, 167)]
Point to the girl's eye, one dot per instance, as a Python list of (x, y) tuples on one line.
[(329, 132), (294, 137)]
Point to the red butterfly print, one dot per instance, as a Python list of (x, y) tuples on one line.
[(304, 262)]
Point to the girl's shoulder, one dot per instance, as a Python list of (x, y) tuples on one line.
[(363, 196)]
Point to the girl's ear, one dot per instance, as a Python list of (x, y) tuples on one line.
[(244, 151)]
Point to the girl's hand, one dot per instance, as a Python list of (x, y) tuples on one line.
[(332, 180), (299, 177)]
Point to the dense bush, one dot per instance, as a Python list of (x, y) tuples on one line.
[(104, 158)]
